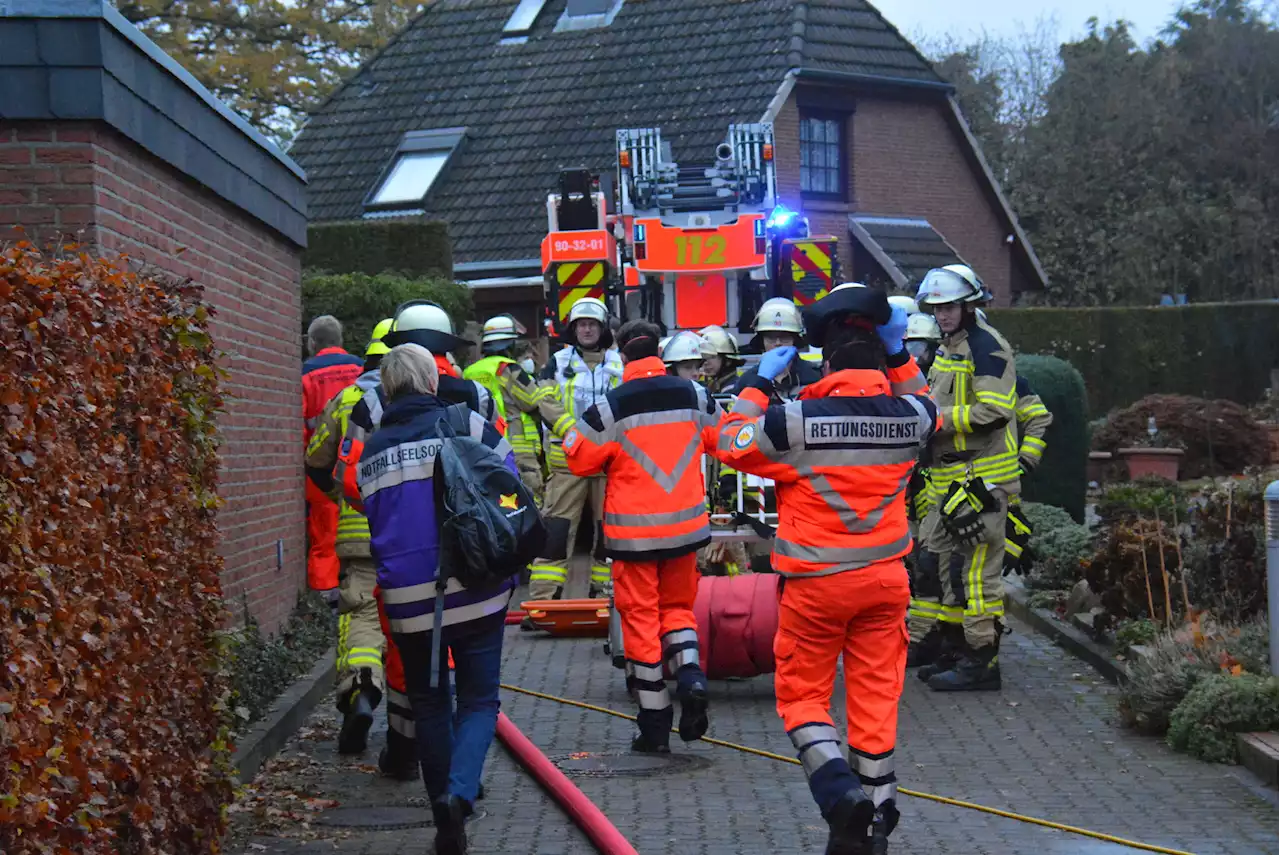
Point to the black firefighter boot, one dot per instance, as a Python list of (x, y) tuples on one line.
[(450, 814), (927, 650), (977, 671), (399, 757), (691, 690), (849, 824), (950, 649), (882, 826), (357, 714), (655, 731)]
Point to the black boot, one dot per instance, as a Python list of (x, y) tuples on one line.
[(450, 813), (850, 824), (977, 671), (356, 721), (926, 650), (399, 758), (951, 648), (691, 689), (886, 819), (655, 731)]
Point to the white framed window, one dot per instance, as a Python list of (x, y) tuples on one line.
[(414, 169)]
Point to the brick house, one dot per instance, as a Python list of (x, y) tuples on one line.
[(469, 114), (106, 140)]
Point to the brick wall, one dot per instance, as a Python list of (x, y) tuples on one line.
[(906, 159), (85, 181)]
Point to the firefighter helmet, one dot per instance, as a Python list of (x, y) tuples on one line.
[(589, 309), (778, 315), (721, 343), (378, 347), (424, 323), (955, 283), (851, 302), (686, 346), (982, 316), (501, 328), (922, 326), (905, 303)]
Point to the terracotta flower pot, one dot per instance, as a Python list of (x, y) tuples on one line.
[(1144, 462)]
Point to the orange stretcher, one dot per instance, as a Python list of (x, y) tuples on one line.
[(569, 618)]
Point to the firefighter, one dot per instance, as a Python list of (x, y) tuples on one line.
[(647, 436), (922, 340), (361, 644), (839, 456), (324, 374), (514, 392), (1034, 419), (684, 353), (907, 304), (974, 470), (575, 377), (778, 324), (720, 368)]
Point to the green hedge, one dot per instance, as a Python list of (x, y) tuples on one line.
[(1060, 478), (412, 248), (1213, 350), (360, 300)]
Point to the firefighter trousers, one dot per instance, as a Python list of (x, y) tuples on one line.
[(567, 498), (530, 469), (858, 614), (970, 577), (654, 600), (360, 640), (322, 528)]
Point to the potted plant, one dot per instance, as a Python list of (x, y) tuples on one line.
[(1152, 455)]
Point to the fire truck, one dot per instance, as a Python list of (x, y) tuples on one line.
[(682, 245)]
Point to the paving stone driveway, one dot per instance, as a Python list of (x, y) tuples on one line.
[(1047, 745)]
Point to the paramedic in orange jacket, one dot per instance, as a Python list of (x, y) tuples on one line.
[(648, 436), (841, 457)]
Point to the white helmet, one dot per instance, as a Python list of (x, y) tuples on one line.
[(720, 341), (778, 314), (905, 303), (589, 308), (955, 283), (425, 323), (922, 326), (982, 316), (685, 346), (498, 329), (848, 285), (663, 342)]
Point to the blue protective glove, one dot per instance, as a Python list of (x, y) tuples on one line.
[(891, 333), (775, 363)]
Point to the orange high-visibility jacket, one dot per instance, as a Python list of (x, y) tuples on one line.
[(323, 376), (648, 436), (840, 457)]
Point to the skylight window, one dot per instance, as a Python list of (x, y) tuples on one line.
[(522, 19), (588, 14), (415, 168)]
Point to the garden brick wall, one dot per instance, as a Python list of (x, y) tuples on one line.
[(85, 182), (906, 158)]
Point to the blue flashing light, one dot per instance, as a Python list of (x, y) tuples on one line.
[(780, 217)]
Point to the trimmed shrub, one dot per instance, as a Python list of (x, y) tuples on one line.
[(415, 249), (1160, 680), (113, 711), (1226, 553), (1218, 707), (1058, 545), (1225, 350), (360, 300), (1218, 437), (1061, 478)]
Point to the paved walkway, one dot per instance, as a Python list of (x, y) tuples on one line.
[(1048, 745)]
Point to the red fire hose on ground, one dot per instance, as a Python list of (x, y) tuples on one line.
[(599, 830)]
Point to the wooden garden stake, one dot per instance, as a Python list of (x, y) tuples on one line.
[(1230, 495), (1146, 573), (1182, 567), (1164, 572)]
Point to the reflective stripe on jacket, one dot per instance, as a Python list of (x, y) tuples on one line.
[(973, 381), (576, 385), (395, 480), (841, 458), (1034, 419), (648, 437), (514, 394), (352, 540)]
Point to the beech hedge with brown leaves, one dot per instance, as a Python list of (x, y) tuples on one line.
[(112, 698)]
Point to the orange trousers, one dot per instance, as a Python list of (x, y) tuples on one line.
[(322, 528), (399, 711), (654, 598), (860, 614)]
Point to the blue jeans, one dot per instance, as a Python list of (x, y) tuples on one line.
[(452, 745)]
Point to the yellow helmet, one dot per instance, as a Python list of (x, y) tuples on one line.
[(376, 345)]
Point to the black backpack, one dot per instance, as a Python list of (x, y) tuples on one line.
[(490, 525)]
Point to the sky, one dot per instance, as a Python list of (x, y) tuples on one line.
[(937, 18)]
